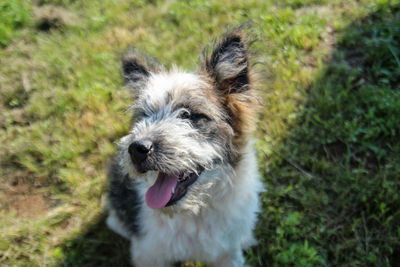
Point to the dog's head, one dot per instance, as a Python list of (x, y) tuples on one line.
[(189, 128)]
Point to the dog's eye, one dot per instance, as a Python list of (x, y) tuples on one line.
[(184, 114), (198, 116), (195, 117)]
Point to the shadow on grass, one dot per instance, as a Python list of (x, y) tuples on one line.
[(334, 183), (333, 186), (97, 246)]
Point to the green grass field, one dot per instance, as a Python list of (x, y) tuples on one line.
[(328, 135)]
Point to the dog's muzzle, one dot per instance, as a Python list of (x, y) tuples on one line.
[(169, 188)]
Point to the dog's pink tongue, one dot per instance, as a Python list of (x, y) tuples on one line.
[(160, 193)]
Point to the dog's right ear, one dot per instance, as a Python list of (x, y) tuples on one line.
[(137, 69), (134, 70)]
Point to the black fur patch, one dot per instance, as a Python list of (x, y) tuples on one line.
[(124, 198), (133, 69)]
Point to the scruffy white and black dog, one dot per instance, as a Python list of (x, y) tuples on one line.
[(184, 184)]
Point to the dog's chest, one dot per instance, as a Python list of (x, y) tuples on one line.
[(203, 237), (185, 238)]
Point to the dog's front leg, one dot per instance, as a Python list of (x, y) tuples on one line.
[(116, 225), (233, 259)]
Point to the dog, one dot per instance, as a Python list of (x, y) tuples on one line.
[(184, 184)]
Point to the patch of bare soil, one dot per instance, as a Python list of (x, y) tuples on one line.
[(53, 17), (23, 198)]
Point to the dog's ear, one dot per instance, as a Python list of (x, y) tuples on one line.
[(137, 69), (134, 69), (229, 68), (228, 64)]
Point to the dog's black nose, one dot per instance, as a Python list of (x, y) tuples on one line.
[(139, 150)]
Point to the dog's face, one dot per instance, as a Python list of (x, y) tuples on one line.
[(189, 127)]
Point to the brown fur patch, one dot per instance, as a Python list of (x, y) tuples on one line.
[(243, 111), (237, 90)]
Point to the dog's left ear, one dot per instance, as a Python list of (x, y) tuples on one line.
[(228, 64)]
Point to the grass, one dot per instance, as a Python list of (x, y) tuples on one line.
[(327, 137), (13, 15)]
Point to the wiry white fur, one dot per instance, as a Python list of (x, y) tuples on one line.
[(173, 82), (214, 221)]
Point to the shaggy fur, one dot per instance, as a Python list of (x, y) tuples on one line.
[(189, 124)]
